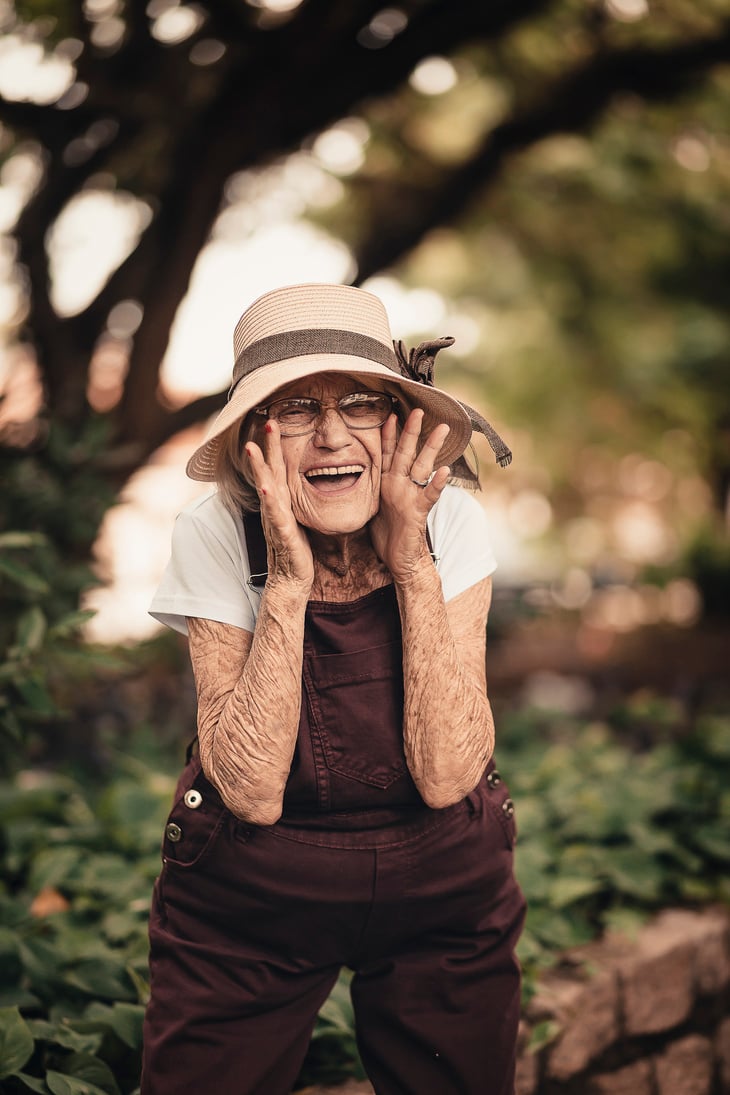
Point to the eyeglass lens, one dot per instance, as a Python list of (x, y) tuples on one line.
[(359, 411)]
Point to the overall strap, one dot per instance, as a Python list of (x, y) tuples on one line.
[(257, 556), (256, 548)]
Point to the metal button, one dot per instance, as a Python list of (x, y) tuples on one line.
[(173, 832), (493, 779), (193, 799), (509, 807)]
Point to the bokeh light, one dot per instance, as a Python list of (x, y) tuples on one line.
[(78, 266), (433, 76)]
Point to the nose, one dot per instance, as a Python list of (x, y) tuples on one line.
[(331, 432)]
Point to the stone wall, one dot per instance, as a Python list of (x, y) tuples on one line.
[(642, 1016), (648, 1016)]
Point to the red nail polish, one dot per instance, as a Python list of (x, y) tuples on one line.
[(269, 428)]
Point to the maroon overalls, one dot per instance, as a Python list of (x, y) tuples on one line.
[(250, 925)]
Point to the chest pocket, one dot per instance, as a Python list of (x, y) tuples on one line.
[(355, 703)]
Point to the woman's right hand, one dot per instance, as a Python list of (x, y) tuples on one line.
[(289, 552)]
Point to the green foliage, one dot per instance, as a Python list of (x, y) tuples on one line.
[(597, 279), (60, 487), (52, 503), (38, 637), (608, 834), (78, 870), (333, 1053)]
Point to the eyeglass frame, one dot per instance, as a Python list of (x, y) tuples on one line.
[(334, 404)]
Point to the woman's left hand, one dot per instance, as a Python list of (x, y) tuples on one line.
[(398, 530)]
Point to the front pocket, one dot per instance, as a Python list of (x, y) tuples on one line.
[(356, 703), (195, 819)]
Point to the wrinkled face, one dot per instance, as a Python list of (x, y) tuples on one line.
[(333, 473)]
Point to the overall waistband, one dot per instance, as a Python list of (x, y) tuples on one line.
[(369, 829), (375, 828)]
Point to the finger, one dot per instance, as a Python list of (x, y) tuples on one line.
[(438, 481), (388, 441), (260, 470), (407, 447), (267, 468), (424, 462), (256, 460), (272, 448)]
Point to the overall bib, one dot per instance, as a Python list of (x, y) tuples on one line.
[(250, 925)]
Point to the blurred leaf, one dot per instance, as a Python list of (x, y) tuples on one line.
[(31, 1083), (633, 872), (559, 929), (18, 997), (118, 927), (60, 1084), (36, 697), (16, 1042), (92, 1071), (10, 965), (102, 977), (565, 890), (53, 866), (714, 839), (542, 1034), (337, 1010), (22, 576), (9, 540), (714, 735), (63, 1034), (124, 1019), (31, 629), (69, 624)]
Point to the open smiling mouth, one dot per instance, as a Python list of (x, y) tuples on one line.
[(330, 479)]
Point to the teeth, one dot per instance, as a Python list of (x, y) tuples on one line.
[(348, 469)]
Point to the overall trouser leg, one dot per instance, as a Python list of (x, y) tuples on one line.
[(225, 1021), (242, 955), (437, 1008)]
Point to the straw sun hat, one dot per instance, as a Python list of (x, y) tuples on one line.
[(301, 330)]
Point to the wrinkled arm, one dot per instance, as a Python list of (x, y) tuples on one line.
[(249, 696), (447, 726)]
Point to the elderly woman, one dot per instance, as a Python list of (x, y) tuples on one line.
[(341, 807)]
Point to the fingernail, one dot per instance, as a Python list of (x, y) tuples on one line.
[(269, 428)]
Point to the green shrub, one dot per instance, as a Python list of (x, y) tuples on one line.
[(51, 507), (78, 871), (607, 835)]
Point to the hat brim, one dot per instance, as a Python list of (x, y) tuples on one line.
[(256, 388)]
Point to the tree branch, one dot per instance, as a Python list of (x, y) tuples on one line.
[(254, 116), (573, 105), (185, 131), (63, 356)]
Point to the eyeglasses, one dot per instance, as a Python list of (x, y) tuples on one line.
[(358, 410)]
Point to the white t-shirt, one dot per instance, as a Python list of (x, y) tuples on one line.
[(206, 575)]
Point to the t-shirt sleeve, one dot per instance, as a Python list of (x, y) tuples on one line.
[(204, 578), (460, 538)]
